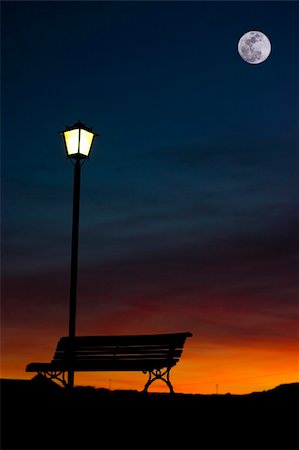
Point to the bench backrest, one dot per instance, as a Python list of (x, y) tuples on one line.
[(144, 349)]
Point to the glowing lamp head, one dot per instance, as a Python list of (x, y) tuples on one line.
[(78, 140)]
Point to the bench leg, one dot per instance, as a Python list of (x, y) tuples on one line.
[(54, 375), (157, 374)]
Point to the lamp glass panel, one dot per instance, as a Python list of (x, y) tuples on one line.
[(72, 141), (86, 138)]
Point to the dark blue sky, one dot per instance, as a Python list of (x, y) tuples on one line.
[(189, 199)]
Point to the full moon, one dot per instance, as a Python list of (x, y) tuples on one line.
[(254, 47)]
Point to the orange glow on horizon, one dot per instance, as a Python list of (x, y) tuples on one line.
[(240, 345), (202, 369)]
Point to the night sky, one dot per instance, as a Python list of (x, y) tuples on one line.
[(189, 201)]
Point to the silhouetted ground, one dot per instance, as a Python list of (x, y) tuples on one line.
[(41, 415)]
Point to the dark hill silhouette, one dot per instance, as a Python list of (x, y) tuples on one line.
[(39, 414)]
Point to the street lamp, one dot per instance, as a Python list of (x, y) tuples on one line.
[(78, 140)]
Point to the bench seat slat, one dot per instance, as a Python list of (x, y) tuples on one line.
[(121, 360), (43, 366), (109, 365), (123, 366)]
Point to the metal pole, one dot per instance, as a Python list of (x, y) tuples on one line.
[(74, 260)]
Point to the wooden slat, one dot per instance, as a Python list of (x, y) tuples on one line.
[(96, 355), (109, 358), (158, 361), (109, 365), (174, 338), (120, 351), (37, 366), (122, 365), (122, 348)]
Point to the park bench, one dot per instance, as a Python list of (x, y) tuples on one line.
[(154, 354)]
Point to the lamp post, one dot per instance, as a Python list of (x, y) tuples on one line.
[(78, 140)]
